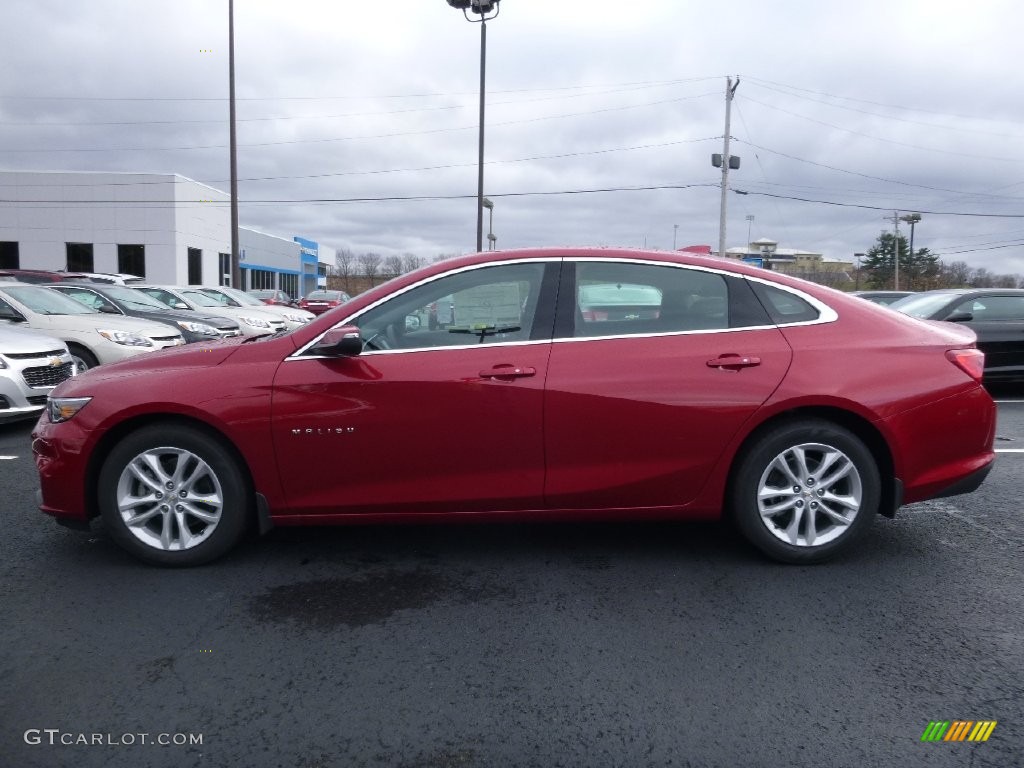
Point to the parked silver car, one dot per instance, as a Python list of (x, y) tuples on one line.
[(31, 364)]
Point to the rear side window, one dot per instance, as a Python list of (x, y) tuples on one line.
[(784, 307), (994, 308), (615, 298)]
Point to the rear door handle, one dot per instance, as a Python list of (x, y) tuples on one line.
[(734, 362), (508, 372)]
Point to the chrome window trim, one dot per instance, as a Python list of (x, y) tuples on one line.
[(298, 354), (825, 313)]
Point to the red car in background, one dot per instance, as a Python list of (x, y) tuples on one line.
[(320, 301), (273, 297), (709, 388)]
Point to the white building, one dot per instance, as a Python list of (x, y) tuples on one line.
[(164, 227)]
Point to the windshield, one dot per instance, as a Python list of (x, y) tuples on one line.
[(924, 305), (43, 301), (202, 299), (239, 296), (133, 299)]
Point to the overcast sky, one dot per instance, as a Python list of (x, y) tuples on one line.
[(855, 108)]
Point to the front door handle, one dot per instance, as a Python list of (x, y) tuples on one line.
[(508, 372), (733, 362)]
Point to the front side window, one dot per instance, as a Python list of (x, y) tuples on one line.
[(615, 298), (490, 305)]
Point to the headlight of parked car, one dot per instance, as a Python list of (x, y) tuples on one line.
[(203, 328), (123, 337), (64, 408), (255, 322), (293, 318)]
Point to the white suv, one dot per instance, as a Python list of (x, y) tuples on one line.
[(31, 365), (92, 337)]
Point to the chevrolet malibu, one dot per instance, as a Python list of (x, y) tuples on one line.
[(796, 411)]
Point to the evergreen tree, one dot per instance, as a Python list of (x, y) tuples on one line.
[(918, 271)]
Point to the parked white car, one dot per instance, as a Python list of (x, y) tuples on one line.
[(31, 364), (253, 321), (93, 338), (232, 297)]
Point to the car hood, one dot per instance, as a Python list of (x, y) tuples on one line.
[(19, 341), (107, 322), (199, 355), (172, 315)]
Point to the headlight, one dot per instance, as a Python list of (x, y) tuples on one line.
[(203, 328), (125, 338), (64, 408), (296, 318), (2, 364), (255, 322)]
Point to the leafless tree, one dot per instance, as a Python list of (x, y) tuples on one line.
[(391, 266), (411, 261), (344, 264), (369, 266)]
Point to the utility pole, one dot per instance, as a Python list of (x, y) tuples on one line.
[(726, 161), (895, 219)]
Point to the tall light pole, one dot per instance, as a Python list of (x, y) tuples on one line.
[(675, 231), (236, 270), (858, 257), (486, 10), (750, 222), (911, 219)]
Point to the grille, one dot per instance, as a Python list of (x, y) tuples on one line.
[(31, 355), (164, 339), (36, 400), (46, 376)]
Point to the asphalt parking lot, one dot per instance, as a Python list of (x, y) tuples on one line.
[(518, 645)]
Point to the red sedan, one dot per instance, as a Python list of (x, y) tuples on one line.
[(800, 412), (320, 301)]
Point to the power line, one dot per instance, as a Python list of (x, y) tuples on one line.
[(884, 207)]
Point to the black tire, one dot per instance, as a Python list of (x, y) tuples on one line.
[(804, 527), (83, 358), (194, 521)]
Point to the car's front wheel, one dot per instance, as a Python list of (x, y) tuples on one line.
[(174, 495), (805, 491)]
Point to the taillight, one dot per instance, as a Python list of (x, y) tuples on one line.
[(970, 361)]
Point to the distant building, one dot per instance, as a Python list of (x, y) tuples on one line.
[(164, 227), (807, 265)]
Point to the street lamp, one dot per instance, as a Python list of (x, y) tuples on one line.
[(858, 257), (486, 10), (911, 219), (489, 205)]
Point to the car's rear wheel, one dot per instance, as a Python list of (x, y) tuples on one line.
[(805, 491), (174, 495), (82, 358)]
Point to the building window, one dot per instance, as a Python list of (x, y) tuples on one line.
[(131, 260), (79, 257), (289, 284), (225, 268), (195, 266), (9, 256), (261, 279)]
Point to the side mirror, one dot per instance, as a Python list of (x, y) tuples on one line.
[(959, 317), (106, 308), (180, 305), (345, 341)]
